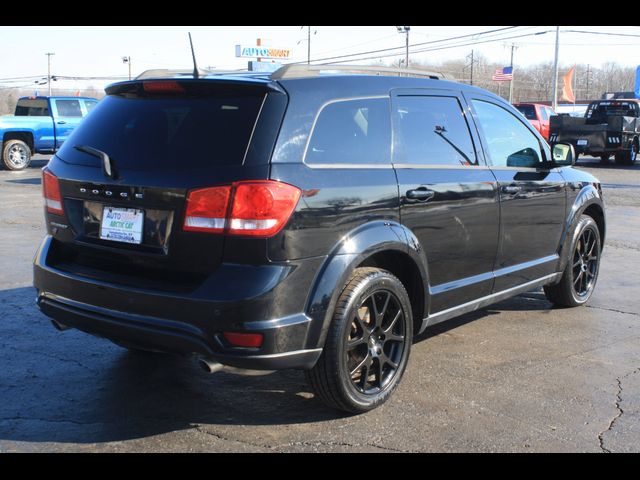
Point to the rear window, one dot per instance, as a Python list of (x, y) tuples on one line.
[(602, 109), (174, 133), (32, 107), (529, 111)]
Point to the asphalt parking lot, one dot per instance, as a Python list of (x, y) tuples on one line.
[(518, 376)]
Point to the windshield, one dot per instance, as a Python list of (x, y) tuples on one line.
[(145, 133)]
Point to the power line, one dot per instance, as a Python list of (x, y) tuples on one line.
[(601, 33), (413, 45), (432, 49)]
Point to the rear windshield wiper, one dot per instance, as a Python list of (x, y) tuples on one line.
[(107, 164)]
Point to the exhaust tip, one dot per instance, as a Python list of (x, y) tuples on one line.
[(59, 326), (209, 366)]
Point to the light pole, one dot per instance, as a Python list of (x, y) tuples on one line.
[(48, 54), (405, 30), (127, 60)]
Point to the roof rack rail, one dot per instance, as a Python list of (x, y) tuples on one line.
[(301, 71)]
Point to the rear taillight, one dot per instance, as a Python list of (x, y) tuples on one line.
[(259, 208), (207, 209), (51, 191)]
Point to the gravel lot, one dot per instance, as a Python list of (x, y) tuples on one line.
[(518, 376)]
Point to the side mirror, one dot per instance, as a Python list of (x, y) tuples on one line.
[(563, 154)]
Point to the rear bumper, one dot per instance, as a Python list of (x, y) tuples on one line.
[(186, 323)]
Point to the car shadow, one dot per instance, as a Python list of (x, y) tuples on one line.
[(27, 181), (529, 301), (71, 387), (609, 165)]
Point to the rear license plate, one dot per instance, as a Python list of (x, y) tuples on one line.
[(582, 142), (122, 224)]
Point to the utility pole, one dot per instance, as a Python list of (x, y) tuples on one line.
[(513, 47), (128, 61), (471, 65), (405, 30), (308, 45), (555, 72), (48, 54)]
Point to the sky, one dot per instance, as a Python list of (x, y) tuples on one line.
[(98, 51)]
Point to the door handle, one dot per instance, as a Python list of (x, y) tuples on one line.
[(421, 194), (61, 122), (511, 189)]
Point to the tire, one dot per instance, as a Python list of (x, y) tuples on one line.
[(16, 155), (604, 158), (372, 329), (628, 157), (583, 265)]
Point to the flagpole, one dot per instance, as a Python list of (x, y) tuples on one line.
[(513, 46), (575, 85), (554, 103)]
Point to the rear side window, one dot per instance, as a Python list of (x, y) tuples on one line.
[(68, 108), (352, 132), (431, 131), (36, 107), (529, 111), (173, 133)]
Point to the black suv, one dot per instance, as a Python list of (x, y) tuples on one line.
[(307, 220)]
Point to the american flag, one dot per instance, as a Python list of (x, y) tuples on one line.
[(503, 74)]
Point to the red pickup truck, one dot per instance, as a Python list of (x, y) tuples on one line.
[(538, 115)]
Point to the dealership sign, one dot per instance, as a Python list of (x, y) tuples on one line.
[(262, 52)]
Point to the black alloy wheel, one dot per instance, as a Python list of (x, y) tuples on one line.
[(376, 342), (585, 263), (580, 275), (368, 343)]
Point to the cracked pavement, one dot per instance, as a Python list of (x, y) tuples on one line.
[(517, 376)]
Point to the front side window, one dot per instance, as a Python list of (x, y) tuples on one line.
[(431, 131), (529, 111), (90, 104), (509, 141), (352, 132), (68, 108)]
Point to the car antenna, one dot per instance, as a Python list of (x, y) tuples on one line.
[(193, 54)]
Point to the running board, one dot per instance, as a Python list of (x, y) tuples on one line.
[(488, 300)]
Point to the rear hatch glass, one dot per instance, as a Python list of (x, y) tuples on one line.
[(194, 129)]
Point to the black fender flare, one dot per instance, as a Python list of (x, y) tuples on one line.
[(588, 195), (351, 251)]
